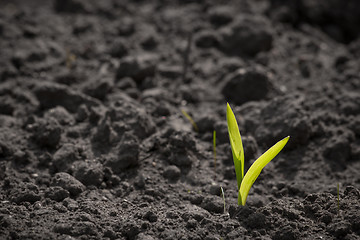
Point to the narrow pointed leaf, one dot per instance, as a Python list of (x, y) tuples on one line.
[(257, 167), (236, 145)]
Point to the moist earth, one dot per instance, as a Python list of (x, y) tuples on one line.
[(95, 138)]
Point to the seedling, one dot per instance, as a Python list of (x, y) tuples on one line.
[(245, 183), (223, 197), (214, 149), (190, 120)]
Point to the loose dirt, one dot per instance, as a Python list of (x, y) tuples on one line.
[(94, 143)]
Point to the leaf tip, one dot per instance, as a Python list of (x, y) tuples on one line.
[(228, 107)]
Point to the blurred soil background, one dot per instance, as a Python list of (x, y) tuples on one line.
[(94, 143)]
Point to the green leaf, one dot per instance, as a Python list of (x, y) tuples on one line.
[(236, 145), (257, 167)]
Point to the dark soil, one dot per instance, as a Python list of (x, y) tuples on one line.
[(94, 143)]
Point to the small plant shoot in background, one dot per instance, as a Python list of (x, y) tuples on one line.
[(245, 183), (223, 197), (189, 118), (214, 150)]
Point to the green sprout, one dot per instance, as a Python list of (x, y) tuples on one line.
[(190, 120), (214, 149), (245, 183)]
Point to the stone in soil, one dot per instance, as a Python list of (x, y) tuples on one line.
[(68, 182)]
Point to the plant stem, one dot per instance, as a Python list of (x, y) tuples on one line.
[(239, 199), (190, 120), (223, 196), (214, 150)]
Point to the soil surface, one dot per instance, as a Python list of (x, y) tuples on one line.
[(94, 138)]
